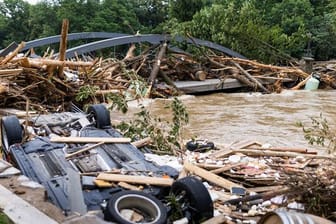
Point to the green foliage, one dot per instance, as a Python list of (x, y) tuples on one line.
[(114, 16), (119, 102), (184, 10), (151, 13), (43, 20), (319, 133), (4, 219), (86, 92), (15, 24), (166, 137), (267, 30)]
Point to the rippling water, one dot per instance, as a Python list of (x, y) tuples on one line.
[(271, 118)]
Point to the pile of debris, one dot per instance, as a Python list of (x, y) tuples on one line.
[(242, 182), (49, 84), (248, 180)]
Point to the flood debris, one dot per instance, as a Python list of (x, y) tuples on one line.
[(49, 82), (240, 183), (250, 185)]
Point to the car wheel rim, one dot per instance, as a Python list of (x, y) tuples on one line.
[(144, 206)]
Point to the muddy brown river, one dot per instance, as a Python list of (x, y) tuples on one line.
[(225, 118)]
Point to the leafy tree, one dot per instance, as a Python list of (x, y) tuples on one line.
[(184, 10), (3, 25), (43, 20), (79, 13), (115, 16), (322, 28), (15, 24), (151, 13)]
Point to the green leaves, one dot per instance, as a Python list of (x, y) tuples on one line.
[(319, 133), (166, 136)]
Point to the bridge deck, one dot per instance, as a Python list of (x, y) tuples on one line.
[(208, 85)]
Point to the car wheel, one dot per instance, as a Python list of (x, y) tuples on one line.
[(199, 145), (11, 132), (194, 198), (147, 209), (100, 115)]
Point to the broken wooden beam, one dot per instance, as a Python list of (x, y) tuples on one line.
[(156, 69), (250, 77), (142, 142), (10, 56), (213, 178), (40, 62), (68, 156), (250, 152), (90, 140), (63, 46), (158, 181)]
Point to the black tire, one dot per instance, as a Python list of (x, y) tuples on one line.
[(199, 145), (192, 193), (11, 132), (151, 209), (100, 115)]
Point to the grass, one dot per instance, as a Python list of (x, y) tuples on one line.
[(4, 219)]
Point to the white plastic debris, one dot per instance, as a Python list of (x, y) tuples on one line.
[(31, 184), (279, 199), (26, 182), (181, 221), (266, 203), (23, 178), (164, 160), (296, 206), (266, 146), (234, 158), (214, 196), (253, 211)]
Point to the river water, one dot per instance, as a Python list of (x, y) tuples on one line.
[(225, 118)]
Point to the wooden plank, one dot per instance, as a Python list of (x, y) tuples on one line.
[(12, 72), (10, 56), (90, 140), (226, 168), (142, 142), (40, 62), (18, 113), (129, 186), (238, 145), (213, 178), (63, 45), (103, 183), (159, 181), (83, 150), (265, 188), (250, 152), (287, 149)]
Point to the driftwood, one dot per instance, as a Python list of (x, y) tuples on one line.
[(38, 78), (159, 181), (249, 76), (213, 178), (156, 68), (10, 56), (63, 45), (83, 150)]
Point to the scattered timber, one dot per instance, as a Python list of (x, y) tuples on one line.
[(160, 71)]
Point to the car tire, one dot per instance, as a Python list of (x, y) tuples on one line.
[(199, 145), (193, 193), (100, 115), (11, 132), (154, 212)]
